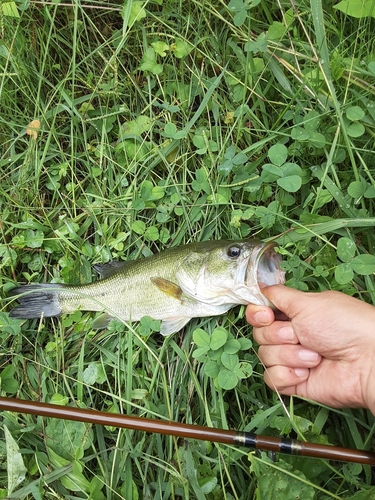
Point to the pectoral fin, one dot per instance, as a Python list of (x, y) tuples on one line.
[(101, 321), (167, 287), (169, 326)]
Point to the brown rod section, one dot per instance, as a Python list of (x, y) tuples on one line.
[(249, 440)]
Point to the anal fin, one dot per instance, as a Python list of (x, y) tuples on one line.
[(173, 325)]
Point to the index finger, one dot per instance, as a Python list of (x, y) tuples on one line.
[(259, 315)]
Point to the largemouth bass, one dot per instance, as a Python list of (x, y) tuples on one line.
[(185, 282)]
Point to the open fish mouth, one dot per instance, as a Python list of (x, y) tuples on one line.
[(268, 267), (262, 270)]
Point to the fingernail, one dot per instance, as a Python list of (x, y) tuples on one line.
[(301, 372), (307, 355), (286, 333), (261, 317)]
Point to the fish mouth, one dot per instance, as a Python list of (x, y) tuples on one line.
[(263, 270), (268, 267)]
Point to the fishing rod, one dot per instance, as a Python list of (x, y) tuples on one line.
[(232, 437)]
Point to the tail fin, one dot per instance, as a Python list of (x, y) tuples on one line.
[(36, 300)]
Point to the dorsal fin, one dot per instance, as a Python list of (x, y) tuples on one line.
[(111, 268)]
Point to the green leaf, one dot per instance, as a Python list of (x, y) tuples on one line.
[(270, 172), (199, 142), (362, 494), (211, 369), (9, 9), (201, 338), (258, 45), (240, 159), (230, 361), (344, 273), (357, 8), (236, 5), (67, 438), (355, 129), (278, 153), (370, 192), (59, 399), (16, 469), (243, 370), (246, 344), (218, 338), (157, 193), (170, 129), (34, 239), (145, 191), (317, 139), (345, 249), (160, 48), (136, 127), (232, 346), (164, 235), (355, 113), (147, 325), (299, 134), (312, 121), (19, 240), (149, 63), (137, 12), (289, 169), (357, 189), (94, 373), (9, 385), (281, 482), (240, 18), (75, 481), (201, 183), (291, 183), (200, 353), (181, 48), (8, 372), (364, 264), (8, 325), (276, 30), (152, 233), (225, 167), (138, 204), (227, 379), (207, 484), (139, 227)]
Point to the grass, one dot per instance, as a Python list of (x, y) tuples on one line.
[(160, 123)]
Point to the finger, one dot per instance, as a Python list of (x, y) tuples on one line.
[(285, 299), (292, 356), (285, 379), (279, 332), (259, 315)]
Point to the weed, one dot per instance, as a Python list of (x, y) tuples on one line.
[(128, 128)]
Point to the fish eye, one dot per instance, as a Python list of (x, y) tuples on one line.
[(233, 252)]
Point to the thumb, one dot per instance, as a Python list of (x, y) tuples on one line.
[(285, 299)]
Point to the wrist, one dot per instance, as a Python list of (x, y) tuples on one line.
[(368, 356), (369, 392)]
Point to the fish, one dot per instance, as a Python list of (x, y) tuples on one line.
[(200, 279)]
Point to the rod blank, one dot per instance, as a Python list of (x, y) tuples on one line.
[(246, 439)]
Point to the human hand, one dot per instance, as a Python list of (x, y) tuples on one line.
[(321, 346)]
